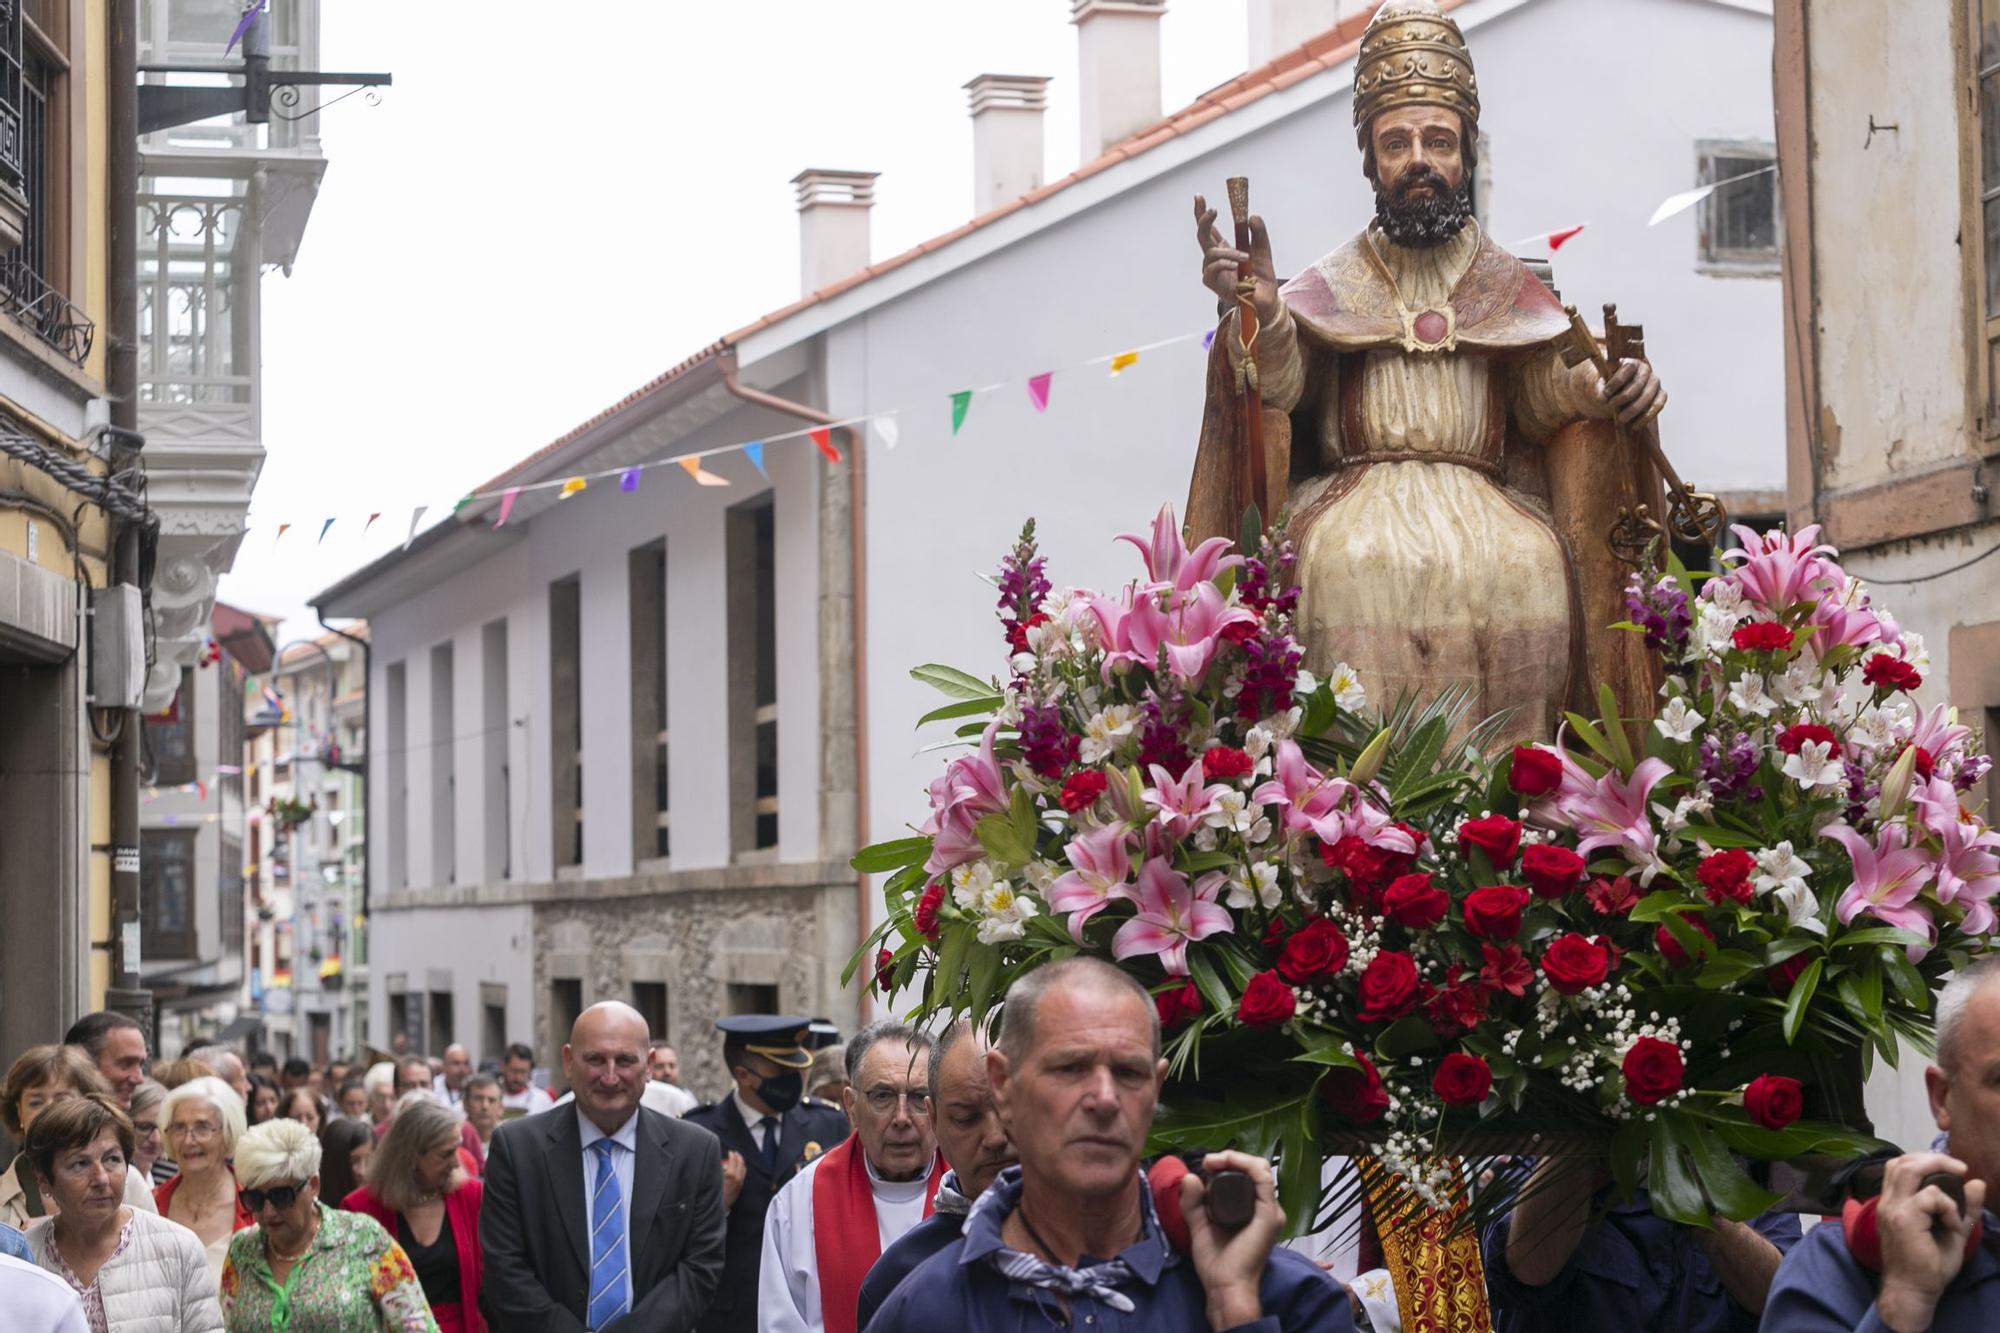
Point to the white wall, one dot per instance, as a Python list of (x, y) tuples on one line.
[(485, 944), (1580, 129)]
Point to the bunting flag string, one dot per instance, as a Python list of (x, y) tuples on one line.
[(1038, 390), (754, 451), (416, 517), (822, 436), (961, 403), (630, 481), (324, 528), (507, 498)]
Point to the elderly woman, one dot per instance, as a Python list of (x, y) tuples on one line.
[(418, 1189), (307, 1268), (204, 1119), (132, 1271), (146, 1140), (380, 1080), (301, 1105), (43, 1076)]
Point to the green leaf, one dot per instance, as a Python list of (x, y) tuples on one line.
[(1628, 1152), (1726, 969), (1675, 1189), (1588, 733), (1733, 1193), (893, 855), (985, 703), (1021, 810), (951, 681), (1002, 841), (1903, 975), (1406, 1036), (1879, 935), (1299, 1164), (1660, 905), (1417, 757), (985, 973), (1720, 837), (1250, 536), (1319, 713), (1614, 728), (1190, 862), (1333, 1053), (1801, 996), (1698, 945), (1209, 982)]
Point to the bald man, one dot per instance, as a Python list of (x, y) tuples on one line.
[(602, 1214), (449, 1085)]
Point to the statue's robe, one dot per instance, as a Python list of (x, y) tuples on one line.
[(1449, 507)]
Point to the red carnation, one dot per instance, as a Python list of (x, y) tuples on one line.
[(1781, 977), (1551, 871), (1081, 789), (1612, 897), (1017, 630), (1462, 1080), (1412, 902), (1762, 636), (1653, 1070), (1494, 912), (1267, 1002), (885, 971), (1773, 1100), (1457, 1006), (1357, 1094), (1890, 673), (1178, 1005), (1496, 835), (1670, 948), (1791, 738), (925, 917), (1314, 953), (1506, 969), (1574, 964), (1726, 875), (1221, 763), (1535, 771), (1388, 987)]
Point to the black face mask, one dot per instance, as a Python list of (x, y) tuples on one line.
[(781, 1092)]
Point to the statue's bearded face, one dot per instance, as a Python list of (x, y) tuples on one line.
[(1419, 162)]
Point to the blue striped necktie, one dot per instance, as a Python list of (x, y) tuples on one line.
[(608, 1257)]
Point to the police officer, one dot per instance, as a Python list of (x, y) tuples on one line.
[(769, 1129)]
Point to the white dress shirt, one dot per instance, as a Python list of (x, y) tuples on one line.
[(654, 1097), (788, 1281), (37, 1301), (530, 1099), (622, 1159), (751, 1116), (453, 1102)]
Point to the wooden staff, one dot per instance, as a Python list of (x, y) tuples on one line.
[(1246, 336)]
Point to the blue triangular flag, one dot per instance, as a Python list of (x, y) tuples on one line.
[(755, 450), (323, 527)]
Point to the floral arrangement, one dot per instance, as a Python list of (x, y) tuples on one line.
[(1362, 932)]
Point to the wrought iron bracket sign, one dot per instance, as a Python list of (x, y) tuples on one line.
[(162, 106)]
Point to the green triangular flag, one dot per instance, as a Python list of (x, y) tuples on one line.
[(961, 402)]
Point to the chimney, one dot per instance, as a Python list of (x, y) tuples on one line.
[(1006, 137), (1118, 68), (833, 224), (1276, 26)]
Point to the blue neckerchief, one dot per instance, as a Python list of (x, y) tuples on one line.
[(1144, 1259)]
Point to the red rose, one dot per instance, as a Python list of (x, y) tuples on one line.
[(1791, 738), (1535, 771), (1890, 673), (1221, 763), (1506, 969), (925, 917), (1369, 869), (1357, 1094), (1494, 912), (1082, 788), (1267, 1002), (1653, 1070), (885, 971), (1413, 903), (1726, 875), (1762, 636), (1314, 953), (1670, 948), (1773, 1100), (1781, 977), (1496, 835), (1274, 934), (1612, 897), (1462, 1080), (1924, 764), (1388, 987), (1551, 871), (1179, 1005), (1574, 964)]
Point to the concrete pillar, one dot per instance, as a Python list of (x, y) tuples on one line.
[(1118, 68), (1006, 137)]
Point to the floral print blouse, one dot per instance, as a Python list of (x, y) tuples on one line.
[(355, 1277)]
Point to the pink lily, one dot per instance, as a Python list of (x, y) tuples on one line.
[(1935, 804), (1576, 783), (1779, 569), (1168, 560), (970, 787), (1317, 804), (1183, 804), (1612, 813), (1171, 915), (1114, 632), (1842, 617), (1935, 733), (1190, 629), (1968, 869), (1887, 878), (1101, 867)]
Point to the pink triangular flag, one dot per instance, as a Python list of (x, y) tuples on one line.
[(1038, 390), (507, 498)]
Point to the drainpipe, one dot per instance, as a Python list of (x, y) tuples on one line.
[(858, 612), (367, 744)]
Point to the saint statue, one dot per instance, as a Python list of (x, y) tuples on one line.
[(1449, 479)]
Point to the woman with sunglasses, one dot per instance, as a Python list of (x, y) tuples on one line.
[(305, 1267), (203, 1120), (420, 1192), (131, 1270)]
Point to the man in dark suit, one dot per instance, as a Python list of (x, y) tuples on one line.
[(769, 1129), (605, 1215)]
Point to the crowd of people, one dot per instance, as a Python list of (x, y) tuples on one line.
[(964, 1180)]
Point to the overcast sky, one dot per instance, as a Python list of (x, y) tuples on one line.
[(554, 203)]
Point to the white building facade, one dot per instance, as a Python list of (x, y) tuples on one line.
[(786, 713)]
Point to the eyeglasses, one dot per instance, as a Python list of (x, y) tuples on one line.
[(200, 1129), (884, 1101), (278, 1196)]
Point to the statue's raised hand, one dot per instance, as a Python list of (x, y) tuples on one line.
[(1220, 262)]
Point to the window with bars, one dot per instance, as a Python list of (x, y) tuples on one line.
[(34, 140), (1986, 55), (167, 892), (1738, 223)]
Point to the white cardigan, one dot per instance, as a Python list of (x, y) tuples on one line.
[(160, 1283)]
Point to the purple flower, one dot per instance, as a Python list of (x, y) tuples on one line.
[(1022, 582), (1661, 610), (1270, 676), (1046, 744), (1729, 771), (1265, 584), (1163, 720)]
